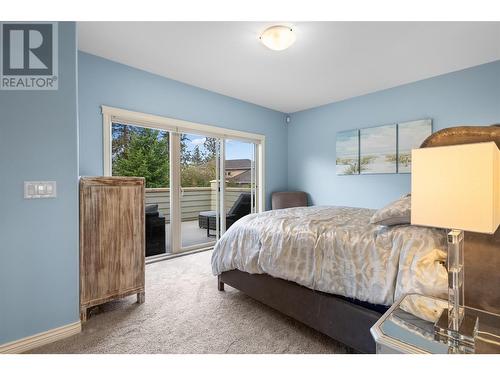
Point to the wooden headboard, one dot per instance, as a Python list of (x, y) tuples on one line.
[(482, 252)]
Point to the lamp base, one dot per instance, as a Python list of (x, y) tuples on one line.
[(461, 341)]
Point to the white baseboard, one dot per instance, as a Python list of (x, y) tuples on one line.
[(40, 339)]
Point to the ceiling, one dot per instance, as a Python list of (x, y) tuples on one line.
[(330, 61)]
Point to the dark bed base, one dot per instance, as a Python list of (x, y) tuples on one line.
[(343, 320)]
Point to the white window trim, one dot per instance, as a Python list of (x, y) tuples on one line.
[(113, 114)]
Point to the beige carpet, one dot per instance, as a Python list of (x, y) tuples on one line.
[(185, 313)]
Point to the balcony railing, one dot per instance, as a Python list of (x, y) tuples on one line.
[(193, 200)]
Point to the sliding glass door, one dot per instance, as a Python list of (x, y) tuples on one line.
[(198, 183), (199, 190), (145, 152), (239, 180)]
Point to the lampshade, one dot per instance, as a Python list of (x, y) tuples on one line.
[(456, 187)]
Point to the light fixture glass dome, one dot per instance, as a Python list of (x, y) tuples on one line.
[(278, 37)]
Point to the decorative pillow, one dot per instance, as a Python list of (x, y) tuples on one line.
[(395, 213)]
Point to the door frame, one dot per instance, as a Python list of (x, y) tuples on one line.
[(176, 127)]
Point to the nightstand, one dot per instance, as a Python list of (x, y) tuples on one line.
[(408, 327)]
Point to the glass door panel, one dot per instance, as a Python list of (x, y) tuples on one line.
[(198, 191), (144, 152), (240, 180)]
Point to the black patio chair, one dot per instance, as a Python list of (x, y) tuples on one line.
[(240, 208), (155, 230)]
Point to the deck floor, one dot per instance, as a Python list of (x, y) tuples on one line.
[(191, 235)]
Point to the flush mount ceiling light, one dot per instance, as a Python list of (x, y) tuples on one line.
[(278, 37)]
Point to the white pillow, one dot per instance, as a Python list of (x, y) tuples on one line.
[(395, 213)]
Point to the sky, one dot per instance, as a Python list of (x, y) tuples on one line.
[(234, 149)]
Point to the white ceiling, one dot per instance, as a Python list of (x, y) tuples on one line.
[(330, 61)]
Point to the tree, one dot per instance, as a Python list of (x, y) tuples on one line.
[(196, 156), (146, 155), (121, 135), (185, 154), (210, 145), (198, 175), (144, 152)]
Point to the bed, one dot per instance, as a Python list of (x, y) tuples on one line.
[(329, 268)]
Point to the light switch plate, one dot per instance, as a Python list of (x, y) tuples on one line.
[(39, 189)]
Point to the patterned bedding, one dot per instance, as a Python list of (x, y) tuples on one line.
[(336, 250)]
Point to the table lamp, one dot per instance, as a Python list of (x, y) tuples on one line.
[(457, 188)]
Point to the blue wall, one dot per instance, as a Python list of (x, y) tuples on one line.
[(105, 82), (39, 238), (467, 97)]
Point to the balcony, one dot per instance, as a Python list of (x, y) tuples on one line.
[(193, 201)]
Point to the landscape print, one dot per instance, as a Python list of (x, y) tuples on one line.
[(411, 134), (347, 148), (378, 150)]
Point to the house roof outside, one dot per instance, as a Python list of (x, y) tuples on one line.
[(238, 164), (243, 165), (242, 178)]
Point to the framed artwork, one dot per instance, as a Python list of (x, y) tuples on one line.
[(411, 134), (347, 150), (378, 149)]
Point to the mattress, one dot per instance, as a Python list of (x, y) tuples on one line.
[(336, 250)]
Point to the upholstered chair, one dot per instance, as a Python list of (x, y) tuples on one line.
[(287, 199)]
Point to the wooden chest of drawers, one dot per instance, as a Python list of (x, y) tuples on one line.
[(111, 240)]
